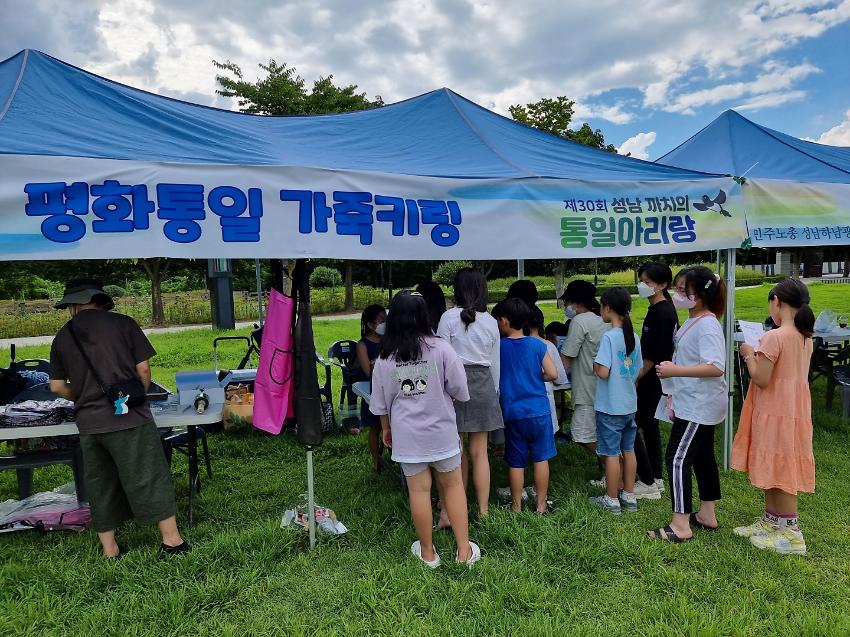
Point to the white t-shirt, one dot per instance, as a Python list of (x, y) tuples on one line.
[(702, 400), (477, 345)]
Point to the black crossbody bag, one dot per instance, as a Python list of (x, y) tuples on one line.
[(132, 388)]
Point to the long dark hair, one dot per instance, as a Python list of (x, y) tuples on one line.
[(619, 301), (435, 301), (796, 294), (470, 294), (658, 273), (369, 315), (407, 325), (701, 282)]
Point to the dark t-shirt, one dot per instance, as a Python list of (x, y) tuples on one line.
[(115, 344), (656, 344)]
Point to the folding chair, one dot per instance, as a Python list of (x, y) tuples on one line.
[(827, 362)]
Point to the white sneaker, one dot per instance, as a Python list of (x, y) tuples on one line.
[(504, 493), (612, 505), (660, 484), (785, 542), (476, 555), (759, 527), (628, 501), (416, 549), (644, 491), (599, 484)]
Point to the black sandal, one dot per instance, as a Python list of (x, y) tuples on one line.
[(699, 525), (667, 534)]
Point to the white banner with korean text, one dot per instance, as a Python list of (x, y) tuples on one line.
[(83, 208)]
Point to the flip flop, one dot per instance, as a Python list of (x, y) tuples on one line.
[(699, 525), (476, 555), (666, 534)]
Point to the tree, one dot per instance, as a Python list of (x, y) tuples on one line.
[(555, 116), (283, 92), (156, 268)]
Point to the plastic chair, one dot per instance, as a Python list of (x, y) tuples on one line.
[(343, 354)]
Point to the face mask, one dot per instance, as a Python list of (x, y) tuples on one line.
[(645, 290), (381, 329), (569, 312), (683, 302)]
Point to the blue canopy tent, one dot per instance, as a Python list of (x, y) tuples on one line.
[(796, 193), (90, 168), (432, 177)]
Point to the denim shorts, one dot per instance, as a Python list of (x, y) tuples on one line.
[(446, 465), (615, 434), (529, 438)]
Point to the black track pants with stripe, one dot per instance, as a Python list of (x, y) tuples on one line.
[(691, 446)]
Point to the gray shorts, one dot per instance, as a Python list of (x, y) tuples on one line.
[(446, 465), (583, 425)]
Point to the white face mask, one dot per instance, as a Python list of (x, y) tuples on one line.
[(645, 290), (683, 302), (569, 312), (381, 329)]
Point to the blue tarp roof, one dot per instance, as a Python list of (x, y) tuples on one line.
[(734, 145), (48, 107)]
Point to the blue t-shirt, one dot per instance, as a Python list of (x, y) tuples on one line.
[(521, 387), (617, 395)]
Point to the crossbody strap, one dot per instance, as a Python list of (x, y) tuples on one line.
[(86, 358)]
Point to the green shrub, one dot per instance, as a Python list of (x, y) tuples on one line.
[(139, 288), (177, 284), (115, 291), (325, 277), (447, 271)]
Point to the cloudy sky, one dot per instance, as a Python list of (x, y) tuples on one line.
[(649, 73)]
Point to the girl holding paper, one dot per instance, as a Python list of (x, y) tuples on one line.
[(774, 439)]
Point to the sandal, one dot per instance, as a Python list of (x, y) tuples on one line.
[(699, 525), (666, 534), (416, 549)]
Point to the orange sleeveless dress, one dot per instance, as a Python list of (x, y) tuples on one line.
[(774, 439)]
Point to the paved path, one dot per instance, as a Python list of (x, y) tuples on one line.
[(25, 341)]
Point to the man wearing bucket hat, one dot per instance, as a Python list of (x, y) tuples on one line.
[(126, 471)]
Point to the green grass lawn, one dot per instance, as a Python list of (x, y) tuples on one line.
[(579, 571)]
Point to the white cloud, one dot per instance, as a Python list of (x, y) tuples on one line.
[(636, 146), (678, 56), (770, 100), (838, 135)]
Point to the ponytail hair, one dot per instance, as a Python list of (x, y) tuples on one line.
[(619, 301), (707, 286), (794, 292), (470, 294)]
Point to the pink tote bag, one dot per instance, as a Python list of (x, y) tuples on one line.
[(274, 389)]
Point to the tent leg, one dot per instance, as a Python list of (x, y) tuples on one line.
[(520, 269), (259, 291), (311, 499), (730, 328)]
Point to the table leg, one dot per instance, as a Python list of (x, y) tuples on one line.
[(193, 470), (24, 482)]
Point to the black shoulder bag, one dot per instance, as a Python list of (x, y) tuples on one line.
[(132, 388)]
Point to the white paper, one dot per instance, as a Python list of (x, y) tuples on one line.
[(752, 333)]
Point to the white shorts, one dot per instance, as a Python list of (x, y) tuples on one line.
[(583, 425), (446, 465)]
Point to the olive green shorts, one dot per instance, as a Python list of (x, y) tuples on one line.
[(127, 477)]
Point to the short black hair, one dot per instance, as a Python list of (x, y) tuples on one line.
[(515, 311)]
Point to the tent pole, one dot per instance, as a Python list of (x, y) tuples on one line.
[(730, 329), (311, 499), (259, 291), (520, 269)]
